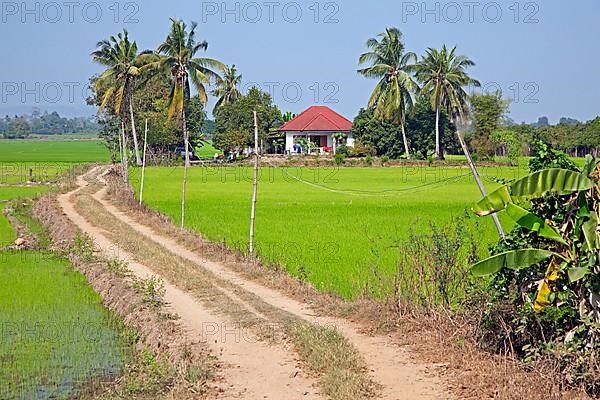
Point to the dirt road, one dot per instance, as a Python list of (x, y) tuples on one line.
[(254, 368)]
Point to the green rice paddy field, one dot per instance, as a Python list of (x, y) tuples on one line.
[(7, 234), (39, 151), (54, 333), (42, 160), (332, 226)]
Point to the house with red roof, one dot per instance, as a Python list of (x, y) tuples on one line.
[(318, 125)]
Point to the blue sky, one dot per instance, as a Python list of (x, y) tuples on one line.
[(544, 55)]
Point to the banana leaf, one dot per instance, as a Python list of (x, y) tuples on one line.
[(590, 165), (557, 181), (516, 259), (532, 222), (577, 273), (493, 202), (590, 231)]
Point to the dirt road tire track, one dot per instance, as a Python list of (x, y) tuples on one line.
[(391, 366), (252, 369)]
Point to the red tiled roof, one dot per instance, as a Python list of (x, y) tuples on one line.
[(318, 119)]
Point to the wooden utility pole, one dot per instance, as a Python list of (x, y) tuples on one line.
[(254, 185), (479, 182), (144, 163)]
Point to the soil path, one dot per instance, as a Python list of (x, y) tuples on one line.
[(391, 365), (252, 369)]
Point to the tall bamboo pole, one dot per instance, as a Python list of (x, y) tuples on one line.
[(144, 163), (479, 182), (255, 185), (125, 156)]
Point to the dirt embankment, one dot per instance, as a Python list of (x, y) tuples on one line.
[(158, 331)]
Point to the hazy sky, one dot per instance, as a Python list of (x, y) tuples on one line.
[(544, 55)]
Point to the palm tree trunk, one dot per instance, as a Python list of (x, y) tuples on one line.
[(138, 160), (186, 141), (405, 140), (437, 133)]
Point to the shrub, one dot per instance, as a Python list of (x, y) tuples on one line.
[(385, 160), (152, 289), (369, 160), (433, 269), (361, 150), (118, 267), (83, 246), (543, 303), (343, 150), (339, 159)]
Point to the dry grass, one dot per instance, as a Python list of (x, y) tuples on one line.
[(343, 373), (328, 352)]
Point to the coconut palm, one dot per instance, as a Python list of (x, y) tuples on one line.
[(226, 89), (443, 77), (117, 82), (177, 57), (392, 65)]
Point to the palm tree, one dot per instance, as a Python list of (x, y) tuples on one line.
[(392, 66), (226, 89), (124, 66), (177, 57), (443, 76)]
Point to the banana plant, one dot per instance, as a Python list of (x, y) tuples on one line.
[(575, 248)]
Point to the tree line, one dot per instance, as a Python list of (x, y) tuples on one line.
[(413, 112), (418, 103), (21, 126)]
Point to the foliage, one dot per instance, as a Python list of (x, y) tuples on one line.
[(420, 129), (83, 247), (227, 89), (342, 150), (152, 290), (361, 150), (509, 143), (235, 121), (339, 158), (16, 128), (443, 76), (434, 265), (385, 137), (545, 276), (20, 126), (196, 115), (151, 101), (578, 137), (487, 111), (545, 157), (392, 66)]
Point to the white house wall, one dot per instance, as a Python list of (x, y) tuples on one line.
[(289, 139)]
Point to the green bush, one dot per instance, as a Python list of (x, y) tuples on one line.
[(343, 150), (546, 308), (339, 159)]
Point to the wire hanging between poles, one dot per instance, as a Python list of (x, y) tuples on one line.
[(384, 193)]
